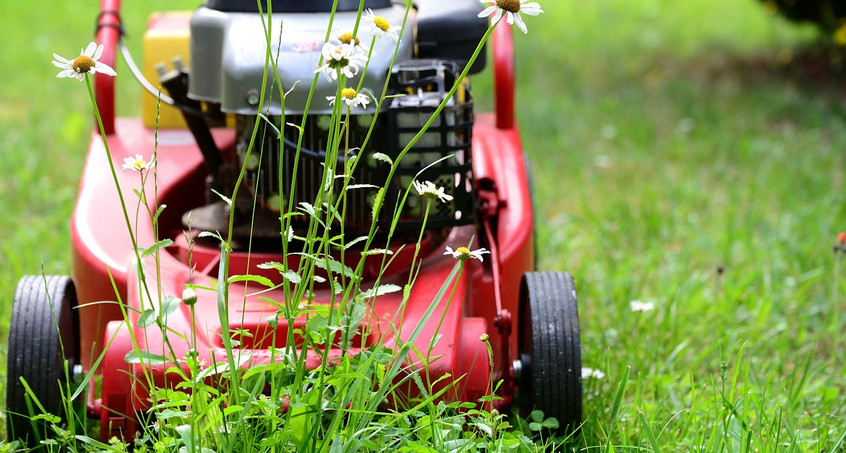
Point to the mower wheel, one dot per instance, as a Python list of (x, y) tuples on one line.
[(43, 338), (550, 377)]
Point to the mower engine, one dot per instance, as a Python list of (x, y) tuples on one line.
[(231, 81)]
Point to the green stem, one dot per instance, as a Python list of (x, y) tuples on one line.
[(142, 281), (419, 240), (836, 303)]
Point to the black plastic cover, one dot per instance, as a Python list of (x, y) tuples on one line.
[(293, 6), (450, 29)]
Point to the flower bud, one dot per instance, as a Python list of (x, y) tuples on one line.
[(189, 296)]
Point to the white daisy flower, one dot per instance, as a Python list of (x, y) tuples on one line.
[(511, 9), (85, 63), (637, 305), (381, 28), (463, 253), (428, 189), (136, 163), (588, 373), (343, 58), (351, 97)]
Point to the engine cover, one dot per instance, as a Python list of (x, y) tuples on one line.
[(228, 54)]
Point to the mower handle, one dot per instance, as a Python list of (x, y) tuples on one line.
[(109, 28), (503, 56)]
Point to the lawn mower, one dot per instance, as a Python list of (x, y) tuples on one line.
[(210, 64)]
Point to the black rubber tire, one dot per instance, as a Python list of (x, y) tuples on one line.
[(550, 349), (36, 346)]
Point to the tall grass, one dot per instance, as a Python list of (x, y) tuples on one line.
[(695, 160)]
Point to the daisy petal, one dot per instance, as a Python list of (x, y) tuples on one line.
[(487, 11), (519, 21), (98, 52), (89, 51), (105, 69)]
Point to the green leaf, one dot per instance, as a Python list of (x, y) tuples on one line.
[(334, 266), (355, 241), (383, 157), (382, 357), (252, 278), (377, 252), (380, 290), (295, 126), (308, 208), (457, 444), (164, 243), (210, 234), (223, 367), (271, 265), (618, 397), (136, 356), (330, 179), (361, 186), (292, 276), (377, 202), (536, 415), (212, 370), (287, 274), (551, 423), (223, 197), (158, 213), (648, 430), (169, 305), (270, 123), (50, 418), (170, 413), (147, 318)]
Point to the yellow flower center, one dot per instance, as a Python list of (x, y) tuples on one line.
[(139, 164), (512, 6), (463, 252), (382, 23), (347, 38), (348, 93), (83, 64)]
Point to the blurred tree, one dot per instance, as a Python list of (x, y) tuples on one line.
[(829, 15)]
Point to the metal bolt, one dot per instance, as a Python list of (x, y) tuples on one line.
[(177, 63), (517, 365), (252, 97), (161, 69)]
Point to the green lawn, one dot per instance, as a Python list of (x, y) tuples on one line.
[(682, 156)]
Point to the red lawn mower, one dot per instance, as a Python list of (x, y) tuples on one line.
[(529, 317)]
